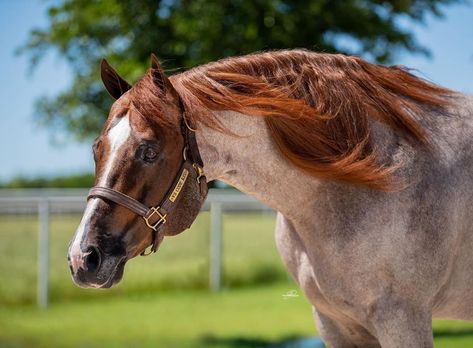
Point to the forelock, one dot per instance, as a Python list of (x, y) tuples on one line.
[(150, 102)]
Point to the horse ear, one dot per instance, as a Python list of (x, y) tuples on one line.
[(115, 85), (159, 76), (155, 62)]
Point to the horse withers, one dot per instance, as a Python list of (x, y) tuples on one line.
[(369, 168)]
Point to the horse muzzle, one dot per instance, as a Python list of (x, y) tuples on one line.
[(94, 269)]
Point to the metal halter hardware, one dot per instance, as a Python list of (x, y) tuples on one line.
[(155, 217), (162, 218)]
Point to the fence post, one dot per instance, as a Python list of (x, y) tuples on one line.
[(216, 246), (43, 253)]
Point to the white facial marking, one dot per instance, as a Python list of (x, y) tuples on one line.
[(75, 252), (117, 137)]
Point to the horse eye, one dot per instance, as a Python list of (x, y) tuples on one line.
[(146, 153), (149, 155)]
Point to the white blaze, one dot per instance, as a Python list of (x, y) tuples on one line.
[(117, 137)]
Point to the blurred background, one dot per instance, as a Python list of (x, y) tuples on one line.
[(220, 284)]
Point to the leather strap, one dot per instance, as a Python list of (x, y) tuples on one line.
[(119, 198), (139, 208)]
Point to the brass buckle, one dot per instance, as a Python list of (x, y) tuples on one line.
[(162, 218), (199, 171)]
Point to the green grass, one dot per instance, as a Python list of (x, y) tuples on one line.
[(250, 257), (244, 317), (162, 300), (169, 319)]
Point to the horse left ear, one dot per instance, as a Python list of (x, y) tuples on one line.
[(159, 76), (115, 85)]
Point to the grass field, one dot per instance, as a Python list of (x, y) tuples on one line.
[(181, 263), (162, 300)]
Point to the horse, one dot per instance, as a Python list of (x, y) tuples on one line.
[(369, 167)]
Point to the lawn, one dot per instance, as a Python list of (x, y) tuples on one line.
[(162, 300), (249, 316), (250, 257)]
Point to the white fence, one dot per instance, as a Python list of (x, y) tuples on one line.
[(47, 201)]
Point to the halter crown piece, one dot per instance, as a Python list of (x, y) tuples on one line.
[(155, 217)]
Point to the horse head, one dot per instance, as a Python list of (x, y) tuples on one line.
[(149, 179)]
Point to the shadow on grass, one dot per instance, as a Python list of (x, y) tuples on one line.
[(291, 341), (453, 332)]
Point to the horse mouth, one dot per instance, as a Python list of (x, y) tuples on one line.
[(115, 276), (104, 278)]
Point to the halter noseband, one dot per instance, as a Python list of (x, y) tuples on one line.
[(155, 217)]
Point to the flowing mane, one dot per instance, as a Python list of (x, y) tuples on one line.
[(316, 106)]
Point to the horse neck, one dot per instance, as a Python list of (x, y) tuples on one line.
[(251, 163)]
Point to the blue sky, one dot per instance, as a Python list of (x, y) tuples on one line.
[(26, 148)]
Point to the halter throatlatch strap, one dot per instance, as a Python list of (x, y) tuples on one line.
[(155, 217)]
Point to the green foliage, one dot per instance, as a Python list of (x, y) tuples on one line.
[(70, 181), (190, 32)]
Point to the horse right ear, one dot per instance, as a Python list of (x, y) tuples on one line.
[(115, 85), (159, 76)]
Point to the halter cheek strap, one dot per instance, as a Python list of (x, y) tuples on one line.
[(155, 217)]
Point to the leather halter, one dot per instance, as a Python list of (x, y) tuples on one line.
[(155, 217)]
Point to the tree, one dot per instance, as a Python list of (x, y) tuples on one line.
[(189, 32)]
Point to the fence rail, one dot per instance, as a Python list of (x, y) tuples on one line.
[(74, 201), (45, 202)]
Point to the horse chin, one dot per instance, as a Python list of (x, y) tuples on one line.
[(115, 277)]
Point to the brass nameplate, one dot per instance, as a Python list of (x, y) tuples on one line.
[(179, 185)]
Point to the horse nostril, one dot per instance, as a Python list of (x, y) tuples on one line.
[(92, 260)]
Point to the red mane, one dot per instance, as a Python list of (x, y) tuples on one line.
[(316, 106)]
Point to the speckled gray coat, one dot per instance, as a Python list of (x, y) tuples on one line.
[(375, 266)]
